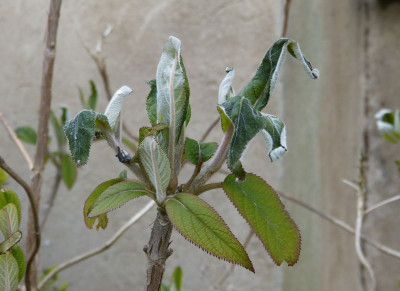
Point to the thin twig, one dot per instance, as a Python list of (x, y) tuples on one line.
[(385, 249), (35, 215), (207, 187), (52, 197), (43, 133), (17, 141), (99, 249), (382, 203), (286, 18)]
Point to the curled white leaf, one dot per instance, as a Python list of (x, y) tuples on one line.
[(225, 88), (114, 107)]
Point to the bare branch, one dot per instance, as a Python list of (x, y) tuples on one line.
[(52, 197), (43, 133), (286, 18), (382, 203), (35, 215), (99, 249), (17, 141)]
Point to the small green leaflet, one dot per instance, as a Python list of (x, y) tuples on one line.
[(261, 86), (193, 150), (26, 134), (247, 122), (68, 171), (115, 196), (3, 176), (18, 254), (388, 122), (10, 241), (258, 203), (151, 103), (58, 128), (91, 103), (9, 220), (176, 281), (7, 197), (114, 107), (8, 272), (201, 224), (80, 133), (172, 96), (156, 165)]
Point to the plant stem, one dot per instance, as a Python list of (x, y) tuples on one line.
[(52, 198), (158, 251), (43, 133), (207, 187)]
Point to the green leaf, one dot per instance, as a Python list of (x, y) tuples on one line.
[(260, 87), (123, 174), (9, 220), (9, 197), (3, 176), (58, 128), (247, 122), (68, 171), (80, 133), (188, 115), (388, 122), (19, 256), (92, 101), (102, 219), (114, 107), (115, 196), (200, 224), (151, 103), (176, 280), (258, 203), (172, 108), (8, 272), (164, 287), (26, 134), (156, 165), (149, 131), (10, 241), (193, 150)]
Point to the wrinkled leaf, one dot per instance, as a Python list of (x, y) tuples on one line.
[(151, 103), (10, 241), (200, 224), (156, 165), (114, 107), (9, 220), (19, 256), (274, 133), (9, 197), (115, 196), (260, 87), (3, 176), (68, 171), (172, 96), (26, 134), (258, 203), (8, 272), (80, 133), (195, 150)]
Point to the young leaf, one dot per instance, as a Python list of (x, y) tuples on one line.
[(9, 197), (9, 220), (193, 149), (80, 133), (388, 122), (8, 272), (123, 174), (10, 241), (258, 203), (58, 128), (115, 196), (260, 87), (225, 88), (156, 165), (274, 133), (172, 95), (151, 103), (176, 280), (68, 171), (102, 219), (19, 256), (26, 134), (149, 131), (114, 107), (92, 100), (3, 176), (200, 224)]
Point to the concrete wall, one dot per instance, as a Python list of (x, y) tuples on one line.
[(325, 121)]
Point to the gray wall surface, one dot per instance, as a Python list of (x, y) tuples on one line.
[(353, 43)]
